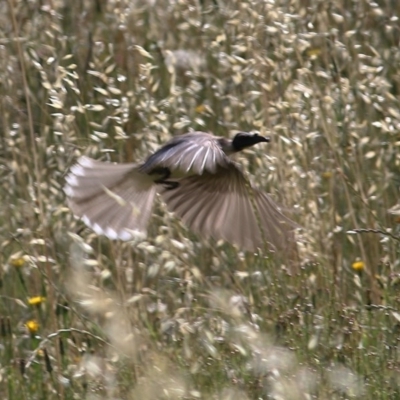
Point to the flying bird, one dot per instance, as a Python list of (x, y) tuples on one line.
[(197, 179)]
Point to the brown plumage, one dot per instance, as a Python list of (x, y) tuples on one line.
[(198, 181)]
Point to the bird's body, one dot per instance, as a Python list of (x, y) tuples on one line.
[(198, 181)]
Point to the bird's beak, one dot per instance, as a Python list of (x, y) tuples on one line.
[(262, 138)]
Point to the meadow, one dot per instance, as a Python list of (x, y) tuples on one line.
[(174, 316)]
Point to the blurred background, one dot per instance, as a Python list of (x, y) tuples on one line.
[(174, 316)]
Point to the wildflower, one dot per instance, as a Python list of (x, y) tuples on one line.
[(327, 175), (358, 265), (35, 301), (313, 52), (200, 108), (32, 326), (17, 262)]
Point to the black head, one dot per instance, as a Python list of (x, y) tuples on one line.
[(243, 140)]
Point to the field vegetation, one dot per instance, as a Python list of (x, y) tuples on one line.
[(175, 316)]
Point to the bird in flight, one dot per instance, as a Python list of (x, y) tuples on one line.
[(196, 178)]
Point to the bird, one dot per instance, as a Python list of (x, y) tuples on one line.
[(197, 178)]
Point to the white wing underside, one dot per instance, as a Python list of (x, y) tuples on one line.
[(113, 199)]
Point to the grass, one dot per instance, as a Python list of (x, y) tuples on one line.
[(175, 316)]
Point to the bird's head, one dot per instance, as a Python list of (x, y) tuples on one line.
[(242, 140)]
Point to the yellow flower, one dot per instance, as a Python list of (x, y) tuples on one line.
[(358, 265), (17, 262), (35, 301), (313, 52), (32, 326), (200, 108)]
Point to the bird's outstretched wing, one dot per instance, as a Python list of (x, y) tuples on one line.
[(196, 153), (115, 200), (225, 206)]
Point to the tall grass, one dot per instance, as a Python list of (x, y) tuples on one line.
[(175, 316)]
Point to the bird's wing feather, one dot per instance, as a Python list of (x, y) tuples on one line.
[(225, 206), (113, 199), (196, 152)]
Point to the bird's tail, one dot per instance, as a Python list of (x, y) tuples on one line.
[(115, 200)]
